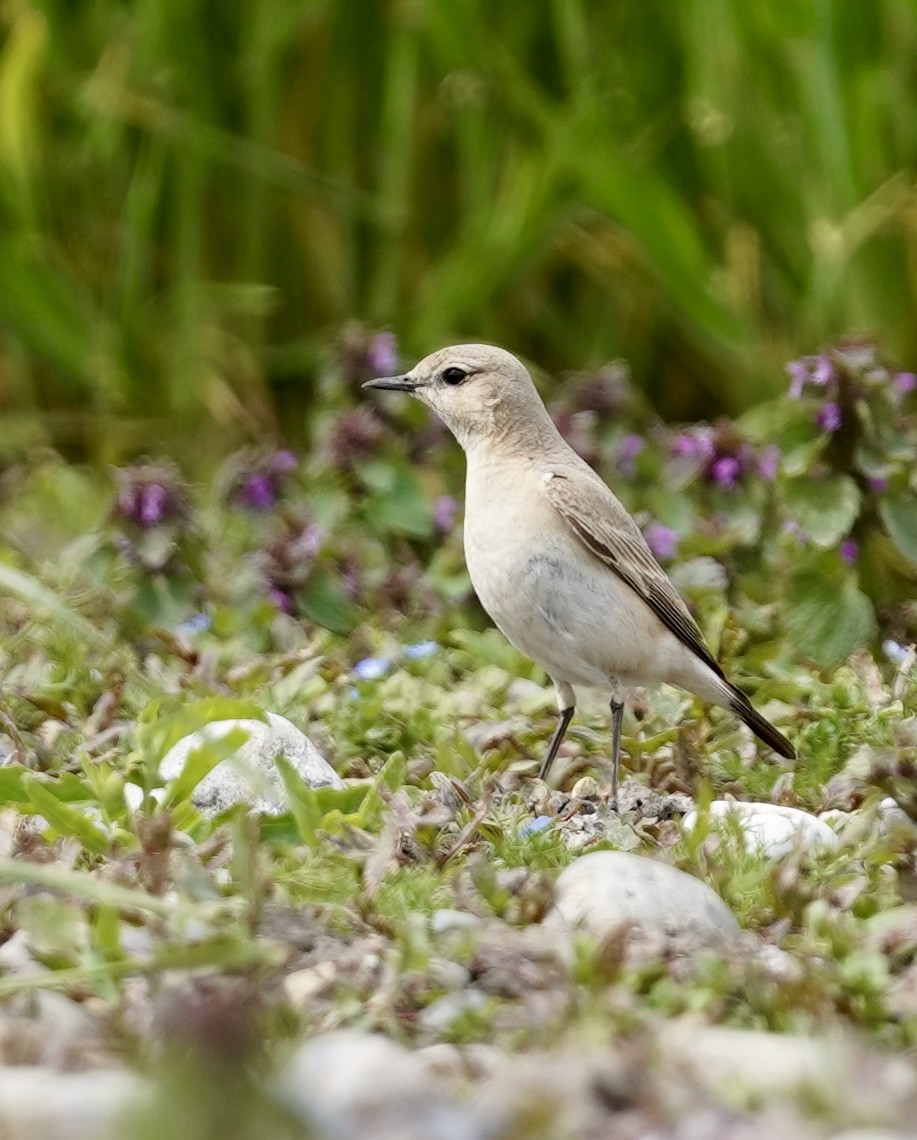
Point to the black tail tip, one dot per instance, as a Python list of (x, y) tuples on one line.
[(761, 727)]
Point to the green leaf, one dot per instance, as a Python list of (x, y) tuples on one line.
[(402, 508), (66, 820), (304, 803), (828, 617), (12, 784), (825, 509), (36, 594), (166, 720), (391, 776), (324, 602), (899, 514)]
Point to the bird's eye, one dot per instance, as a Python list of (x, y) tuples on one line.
[(454, 375)]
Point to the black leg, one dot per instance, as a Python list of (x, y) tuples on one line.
[(566, 715), (617, 717)]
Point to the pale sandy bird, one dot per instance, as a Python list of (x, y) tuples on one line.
[(553, 555)]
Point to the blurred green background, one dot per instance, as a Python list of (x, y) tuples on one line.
[(198, 195)]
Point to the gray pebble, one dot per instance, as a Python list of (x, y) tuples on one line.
[(609, 891)]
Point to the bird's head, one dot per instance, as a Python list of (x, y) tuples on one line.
[(478, 391)]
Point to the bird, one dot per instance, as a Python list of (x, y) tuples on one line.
[(554, 556)]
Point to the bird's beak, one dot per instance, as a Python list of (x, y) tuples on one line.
[(393, 383)]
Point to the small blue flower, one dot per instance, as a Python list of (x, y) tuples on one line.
[(420, 650), (371, 668), (197, 623), (534, 826), (894, 652)]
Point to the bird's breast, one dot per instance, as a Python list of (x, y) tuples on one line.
[(546, 593)]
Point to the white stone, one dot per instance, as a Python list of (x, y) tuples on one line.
[(440, 1014), (445, 920), (350, 1085), (38, 1103), (748, 1066), (771, 828), (607, 891), (251, 775), (303, 986)]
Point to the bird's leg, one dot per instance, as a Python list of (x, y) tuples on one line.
[(565, 706), (566, 715), (617, 718)]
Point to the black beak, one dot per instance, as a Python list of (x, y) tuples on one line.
[(392, 383)]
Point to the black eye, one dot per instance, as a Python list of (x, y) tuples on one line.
[(454, 376)]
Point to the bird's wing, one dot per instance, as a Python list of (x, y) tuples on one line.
[(608, 532)]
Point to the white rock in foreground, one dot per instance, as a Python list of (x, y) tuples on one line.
[(38, 1103), (606, 891), (351, 1085), (251, 775), (771, 828), (749, 1066)]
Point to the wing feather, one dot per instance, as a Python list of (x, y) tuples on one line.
[(600, 522)]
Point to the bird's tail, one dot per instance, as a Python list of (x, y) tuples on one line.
[(763, 729)]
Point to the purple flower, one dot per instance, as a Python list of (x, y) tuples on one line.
[(877, 483), (694, 443), (257, 492), (662, 540), (281, 600), (151, 509), (371, 668), (629, 448), (307, 543), (382, 354), (769, 462), (354, 437), (905, 382), (283, 462), (809, 370), (828, 417), (444, 512), (822, 371), (725, 471), (798, 372), (849, 551)]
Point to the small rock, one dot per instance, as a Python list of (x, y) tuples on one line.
[(772, 829), (251, 776), (445, 920), (443, 1060), (606, 891), (38, 1103), (586, 787), (637, 799), (350, 1085), (303, 986), (749, 1066), (893, 818), (440, 1014)]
